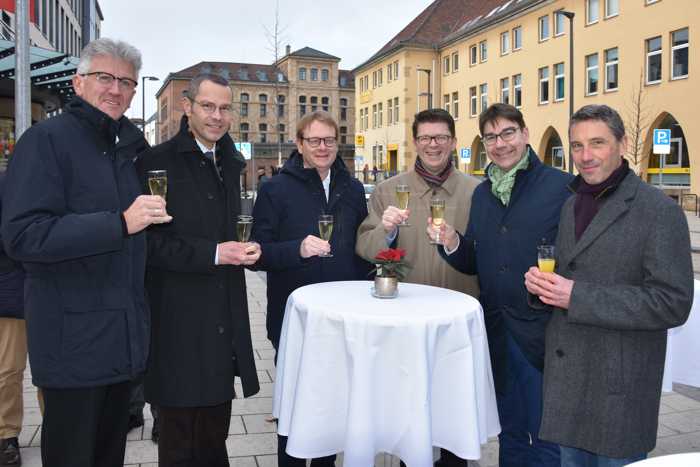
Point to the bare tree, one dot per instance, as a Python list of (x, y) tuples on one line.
[(637, 122), (275, 38)]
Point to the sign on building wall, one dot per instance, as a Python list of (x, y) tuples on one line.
[(662, 141), (246, 149), (359, 141), (465, 154)]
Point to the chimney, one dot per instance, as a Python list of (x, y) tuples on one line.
[(289, 49)]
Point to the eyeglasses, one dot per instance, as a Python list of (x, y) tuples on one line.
[(425, 140), (506, 135), (106, 80), (329, 141), (209, 108)]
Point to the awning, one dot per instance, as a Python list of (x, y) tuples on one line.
[(51, 74)]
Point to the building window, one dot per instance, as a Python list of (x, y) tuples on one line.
[(505, 90), (343, 135), (517, 90), (544, 28), (518, 38), (314, 103), (374, 79), (558, 157), (389, 73), (592, 11), (263, 105), (362, 119), (679, 54), (244, 131), (374, 116), (302, 106), (612, 8), (446, 65), (366, 117), (324, 75), (483, 51), (343, 108), (472, 102), (263, 132), (505, 42), (559, 82), (281, 136), (325, 104), (280, 105), (396, 69), (558, 23), (472, 55), (455, 105), (455, 62), (314, 74), (302, 74), (396, 109), (654, 60), (380, 115), (544, 84), (611, 64), (483, 91), (446, 102), (245, 98), (379, 77), (389, 112), (591, 74)]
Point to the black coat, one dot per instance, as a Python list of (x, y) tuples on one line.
[(285, 212), (11, 281), (200, 328), (67, 185)]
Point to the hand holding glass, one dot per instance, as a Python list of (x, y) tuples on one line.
[(545, 258), (437, 213), (158, 182), (403, 193), (244, 225), (325, 230)]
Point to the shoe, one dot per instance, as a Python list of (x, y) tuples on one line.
[(135, 420), (9, 452)]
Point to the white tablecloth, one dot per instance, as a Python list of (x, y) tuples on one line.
[(683, 348), (364, 375)]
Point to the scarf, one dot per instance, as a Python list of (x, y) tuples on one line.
[(590, 197), (430, 178), (502, 182)]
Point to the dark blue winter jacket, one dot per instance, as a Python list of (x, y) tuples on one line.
[(285, 212), (500, 245)]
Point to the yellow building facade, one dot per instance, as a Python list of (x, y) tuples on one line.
[(636, 56)]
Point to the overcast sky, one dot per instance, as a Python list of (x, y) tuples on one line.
[(175, 34)]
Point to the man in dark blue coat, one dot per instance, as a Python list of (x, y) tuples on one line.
[(513, 210), (73, 216), (286, 214)]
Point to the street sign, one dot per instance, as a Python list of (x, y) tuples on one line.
[(246, 149), (465, 154), (662, 141)]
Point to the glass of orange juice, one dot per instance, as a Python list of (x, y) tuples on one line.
[(545, 258)]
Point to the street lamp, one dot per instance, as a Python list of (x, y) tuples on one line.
[(143, 100), (570, 15), (429, 94)]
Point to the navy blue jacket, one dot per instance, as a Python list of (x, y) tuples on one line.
[(500, 245), (11, 281), (67, 184), (285, 212)]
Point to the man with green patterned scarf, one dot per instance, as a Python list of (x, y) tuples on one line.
[(514, 210)]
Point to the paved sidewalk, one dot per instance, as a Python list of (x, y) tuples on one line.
[(253, 443)]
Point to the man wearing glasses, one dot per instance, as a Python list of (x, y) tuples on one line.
[(433, 176), (312, 183), (74, 216), (195, 280), (514, 210)]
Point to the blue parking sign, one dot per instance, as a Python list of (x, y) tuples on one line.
[(662, 141)]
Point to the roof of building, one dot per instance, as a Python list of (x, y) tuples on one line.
[(313, 53), (445, 20)]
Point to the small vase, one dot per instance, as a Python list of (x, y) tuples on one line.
[(386, 287)]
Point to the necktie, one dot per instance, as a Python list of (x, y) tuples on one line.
[(216, 158)]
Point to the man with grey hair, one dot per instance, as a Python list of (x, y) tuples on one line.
[(623, 278), (73, 215)]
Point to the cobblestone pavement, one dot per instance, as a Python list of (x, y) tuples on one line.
[(253, 443)]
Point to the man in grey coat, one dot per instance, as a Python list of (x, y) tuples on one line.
[(624, 277)]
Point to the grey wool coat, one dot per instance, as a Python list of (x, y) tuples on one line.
[(604, 356)]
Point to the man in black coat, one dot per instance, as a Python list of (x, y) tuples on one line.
[(196, 283), (73, 215), (311, 183)]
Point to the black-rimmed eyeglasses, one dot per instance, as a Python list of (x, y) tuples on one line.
[(329, 141), (506, 136)]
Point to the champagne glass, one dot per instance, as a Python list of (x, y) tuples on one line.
[(244, 225), (545, 258), (403, 192), (325, 229), (437, 212), (158, 182)]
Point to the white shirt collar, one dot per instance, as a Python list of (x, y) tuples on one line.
[(203, 148), (327, 184)]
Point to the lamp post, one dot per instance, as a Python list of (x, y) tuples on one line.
[(570, 15), (143, 100)]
